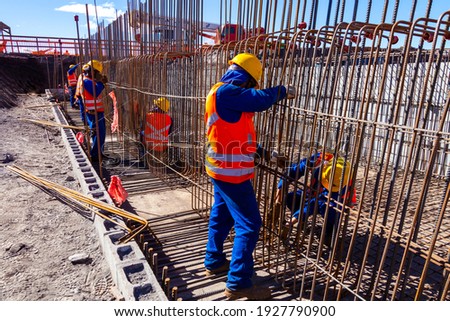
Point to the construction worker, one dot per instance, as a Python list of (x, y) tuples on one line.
[(72, 84), (79, 98), (3, 47), (317, 188), (158, 126), (230, 106), (89, 91)]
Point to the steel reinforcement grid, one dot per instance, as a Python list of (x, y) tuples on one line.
[(375, 94)]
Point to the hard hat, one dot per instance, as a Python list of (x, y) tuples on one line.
[(250, 63), (97, 65), (162, 104), (71, 66), (86, 67), (341, 165)]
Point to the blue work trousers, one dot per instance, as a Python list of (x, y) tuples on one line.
[(234, 205), (293, 201), (72, 95), (100, 138), (82, 111)]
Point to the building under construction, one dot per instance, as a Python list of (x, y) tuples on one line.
[(375, 93)]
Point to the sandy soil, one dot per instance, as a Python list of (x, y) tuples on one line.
[(38, 233)]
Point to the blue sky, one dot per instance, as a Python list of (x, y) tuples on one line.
[(56, 17)]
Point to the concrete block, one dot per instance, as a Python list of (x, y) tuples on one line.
[(129, 269)]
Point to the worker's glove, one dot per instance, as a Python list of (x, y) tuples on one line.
[(291, 93), (279, 159)]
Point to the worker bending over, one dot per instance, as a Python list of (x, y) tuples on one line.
[(320, 182), (158, 126)]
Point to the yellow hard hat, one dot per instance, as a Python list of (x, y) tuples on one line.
[(97, 65), (250, 63), (341, 165), (71, 66), (162, 104)]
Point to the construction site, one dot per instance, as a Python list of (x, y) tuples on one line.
[(371, 89)]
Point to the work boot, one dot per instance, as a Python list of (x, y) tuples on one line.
[(221, 269), (257, 293)]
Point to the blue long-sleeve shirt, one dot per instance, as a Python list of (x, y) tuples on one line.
[(298, 170), (232, 100), (88, 86), (72, 70)]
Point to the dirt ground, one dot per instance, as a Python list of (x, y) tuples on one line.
[(38, 233)]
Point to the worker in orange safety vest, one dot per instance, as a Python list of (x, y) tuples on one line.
[(158, 126), (72, 83), (89, 93)]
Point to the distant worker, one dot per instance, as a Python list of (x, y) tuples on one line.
[(230, 106), (319, 185), (72, 84), (158, 126), (92, 102), (3, 47)]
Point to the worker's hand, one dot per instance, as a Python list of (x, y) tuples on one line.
[(291, 92), (279, 159), (104, 79), (282, 161)]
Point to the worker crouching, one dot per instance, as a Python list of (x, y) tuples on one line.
[(328, 177), (158, 126)]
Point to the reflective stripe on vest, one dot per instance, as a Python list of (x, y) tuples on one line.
[(157, 134), (211, 120), (91, 103), (232, 172), (231, 146)]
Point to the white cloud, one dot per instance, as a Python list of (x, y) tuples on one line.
[(105, 11)]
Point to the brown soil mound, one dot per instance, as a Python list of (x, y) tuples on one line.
[(26, 74), (20, 75)]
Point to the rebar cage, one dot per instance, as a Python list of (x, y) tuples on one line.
[(362, 96)]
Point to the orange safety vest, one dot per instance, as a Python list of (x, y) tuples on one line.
[(156, 132), (72, 79), (89, 100), (231, 146), (79, 89)]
